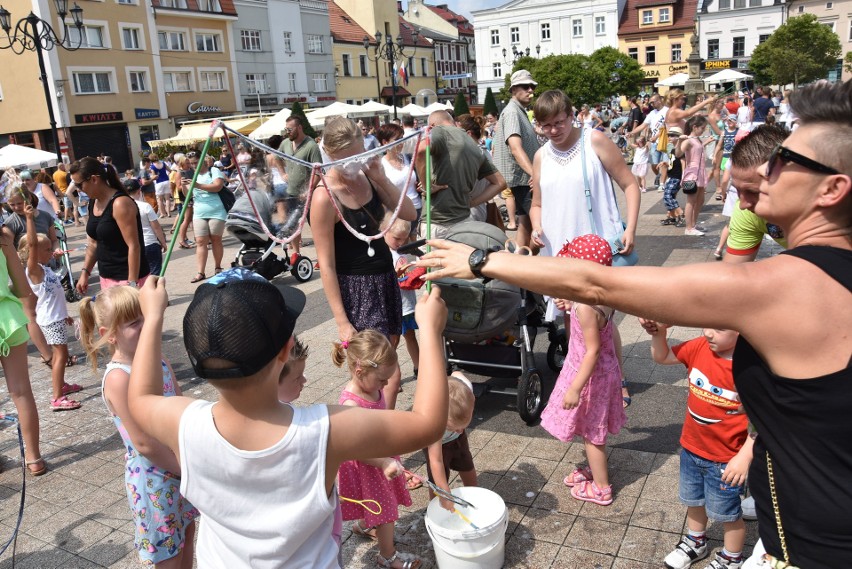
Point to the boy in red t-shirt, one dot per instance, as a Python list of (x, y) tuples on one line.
[(717, 450)]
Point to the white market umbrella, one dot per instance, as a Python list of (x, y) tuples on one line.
[(373, 108), (727, 76), (25, 158), (335, 109), (273, 125), (436, 106), (674, 81), (413, 110)]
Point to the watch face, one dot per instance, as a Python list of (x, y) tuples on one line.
[(476, 258)]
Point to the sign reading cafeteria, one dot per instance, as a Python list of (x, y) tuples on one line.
[(196, 107), (719, 64)]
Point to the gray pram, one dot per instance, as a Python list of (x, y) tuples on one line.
[(258, 250)]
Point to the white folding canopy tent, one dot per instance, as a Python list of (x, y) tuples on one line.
[(25, 158)]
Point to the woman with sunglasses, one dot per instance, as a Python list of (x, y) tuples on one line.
[(114, 228), (793, 360)]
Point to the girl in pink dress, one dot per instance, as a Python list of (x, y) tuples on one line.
[(371, 360), (586, 401), (695, 170)]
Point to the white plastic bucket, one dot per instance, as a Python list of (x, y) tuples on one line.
[(457, 544)]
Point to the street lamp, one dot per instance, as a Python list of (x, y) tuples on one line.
[(516, 55), (390, 52), (34, 34)]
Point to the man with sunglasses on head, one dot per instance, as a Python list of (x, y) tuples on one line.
[(515, 145)]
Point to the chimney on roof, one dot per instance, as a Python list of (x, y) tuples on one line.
[(399, 7), (443, 6)]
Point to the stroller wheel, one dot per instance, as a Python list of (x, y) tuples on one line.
[(530, 396), (71, 295), (303, 270), (557, 350)]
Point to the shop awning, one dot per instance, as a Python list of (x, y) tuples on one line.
[(196, 132), (400, 92)]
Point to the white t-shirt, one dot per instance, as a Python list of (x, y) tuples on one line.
[(398, 177), (147, 215), (655, 120), (744, 118), (50, 306), (265, 509), (409, 297), (43, 204)]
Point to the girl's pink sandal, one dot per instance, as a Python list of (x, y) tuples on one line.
[(577, 476), (589, 492)]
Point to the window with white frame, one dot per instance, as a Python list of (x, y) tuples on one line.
[(256, 83), (88, 36), (173, 4), (497, 68), (600, 25), (633, 52), (172, 41), (350, 101), (320, 81), (138, 81), (724, 4), (250, 40), (801, 9), (212, 80), (754, 3), (650, 55), (208, 42), (739, 3), (647, 17), (515, 34), (713, 48), (829, 5), (850, 30), (130, 38), (347, 65), (495, 37), (92, 82), (291, 82), (314, 43), (577, 28), (763, 37), (288, 42), (177, 81), (210, 5), (677, 53), (739, 46), (545, 30), (129, 2), (363, 67), (410, 68), (664, 15), (829, 25)]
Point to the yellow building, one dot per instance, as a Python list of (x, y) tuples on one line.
[(138, 66), (657, 33)]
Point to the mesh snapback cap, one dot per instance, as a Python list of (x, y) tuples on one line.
[(241, 318)]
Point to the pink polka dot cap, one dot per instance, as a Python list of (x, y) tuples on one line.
[(589, 248)]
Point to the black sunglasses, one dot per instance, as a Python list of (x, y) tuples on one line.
[(527, 87), (191, 154), (785, 155)]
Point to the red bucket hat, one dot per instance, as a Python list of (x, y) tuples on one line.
[(589, 248)]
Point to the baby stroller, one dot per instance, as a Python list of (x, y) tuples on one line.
[(257, 251), (492, 327), (63, 268)]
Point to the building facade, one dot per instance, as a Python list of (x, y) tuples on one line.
[(731, 29), (657, 34), (837, 15), (544, 28)]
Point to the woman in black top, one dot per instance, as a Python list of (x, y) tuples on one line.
[(361, 289), (114, 228), (793, 361)]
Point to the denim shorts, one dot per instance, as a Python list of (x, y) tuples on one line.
[(701, 485), (657, 156)]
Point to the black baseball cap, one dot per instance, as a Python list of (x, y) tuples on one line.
[(131, 185), (241, 318)]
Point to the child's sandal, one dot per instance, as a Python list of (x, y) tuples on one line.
[(69, 388), (589, 492), (406, 563), (37, 471), (578, 476), (366, 533)]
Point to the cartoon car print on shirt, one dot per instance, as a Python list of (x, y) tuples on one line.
[(701, 388)]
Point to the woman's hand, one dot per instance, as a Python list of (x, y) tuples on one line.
[(83, 282), (628, 240), (537, 235), (571, 399), (153, 297), (447, 259), (345, 331)]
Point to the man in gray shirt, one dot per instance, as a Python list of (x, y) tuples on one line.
[(515, 145), (303, 147)]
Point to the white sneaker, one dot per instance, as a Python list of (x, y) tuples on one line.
[(749, 510), (685, 553), (724, 563), (694, 232)]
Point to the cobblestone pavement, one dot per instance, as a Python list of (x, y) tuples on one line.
[(77, 514)]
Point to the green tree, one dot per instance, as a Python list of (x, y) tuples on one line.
[(460, 105), (847, 62), (490, 104), (625, 74), (298, 111), (800, 51)]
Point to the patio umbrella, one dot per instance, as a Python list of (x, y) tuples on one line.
[(674, 81), (727, 76), (25, 158), (273, 125)]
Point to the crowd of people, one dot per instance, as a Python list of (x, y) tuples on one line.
[(761, 406)]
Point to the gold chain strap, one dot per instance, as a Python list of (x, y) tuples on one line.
[(786, 562)]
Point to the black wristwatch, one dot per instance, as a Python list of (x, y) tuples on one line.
[(477, 261)]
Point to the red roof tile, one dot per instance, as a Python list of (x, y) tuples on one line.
[(406, 31), (343, 28), (683, 17), (463, 24), (194, 6)]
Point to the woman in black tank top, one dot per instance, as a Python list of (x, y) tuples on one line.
[(361, 288), (794, 314), (114, 228)]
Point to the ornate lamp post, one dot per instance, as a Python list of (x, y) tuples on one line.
[(516, 55), (34, 34), (390, 52)]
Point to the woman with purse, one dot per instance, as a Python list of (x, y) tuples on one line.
[(573, 193), (208, 214), (695, 172)]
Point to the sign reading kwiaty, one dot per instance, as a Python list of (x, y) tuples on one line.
[(197, 107), (89, 118)]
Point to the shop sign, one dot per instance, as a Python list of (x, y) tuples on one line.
[(147, 113), (265, 101), (652, 73), (719, 64), (90, 118), (678, 68), (197, 107)]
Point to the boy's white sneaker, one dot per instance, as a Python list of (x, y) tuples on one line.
[(722, 562), (686, 553)]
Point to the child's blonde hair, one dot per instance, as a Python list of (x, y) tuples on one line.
[(298, 353), (461, 402), (110, 309), (24, 246), (364, 346), (400, 227)]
